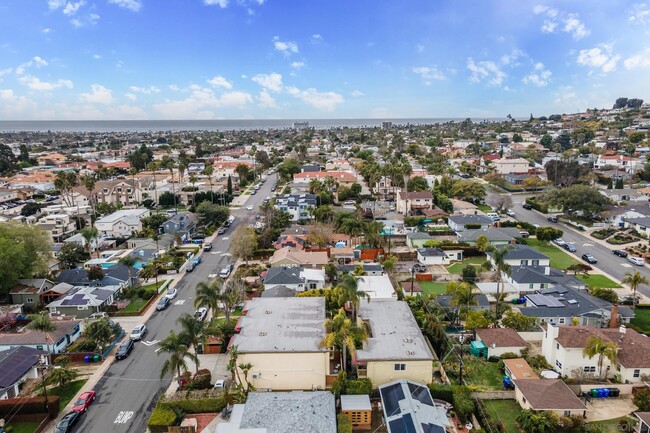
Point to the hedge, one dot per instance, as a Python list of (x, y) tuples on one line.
[(459, 396), (359, 386), (199, 405), (541, 207), (161, 418), (344, 425), (442, 392)]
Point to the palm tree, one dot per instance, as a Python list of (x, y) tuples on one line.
[(178, 351), (41, 322), (89, 182), (462, 296), (351, 294), (153, 167), (502, 267), (89, 234), (208, 295), (634, 281), (62, 376), (129, 261), (245, 368), (232, 364), (193, 180), (169, 164), (193, 333), (596, 346), (343, 335), (208, 171)]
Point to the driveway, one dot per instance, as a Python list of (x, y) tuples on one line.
[(609, 408)]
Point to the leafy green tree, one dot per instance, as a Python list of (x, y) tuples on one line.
[(596, 346), (229, 185), (100, 332), (469, 190), (288, 168), (64, 182), (532, 421), (7, 160), (418, 183), (24, 253), (608, 295), (30, 209), (72, 253), (546, 141), (548, 234), (168, 199), (212, 214), (195, 333), (477, 320), (244, 243), (209, 295), (41, 322), (634, 280), (482, 243), (178, 353), (62, 376), (95, 273), (351, 294), (519, 322), (578, 268), (642, 399), (579, 198)]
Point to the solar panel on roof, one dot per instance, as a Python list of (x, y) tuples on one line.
[(420, 393), (75, 300), (432, 428), (390, 397), (402, 425)]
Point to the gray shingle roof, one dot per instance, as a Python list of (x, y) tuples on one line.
[(529, 274), (561, 301), (283, 275), (431, 252), (524, 252), (279, 292), (481, 301), (470, 219)]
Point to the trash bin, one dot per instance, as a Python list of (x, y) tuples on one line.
[(594, 392), (96, 358), (87, 358), (605, 392)]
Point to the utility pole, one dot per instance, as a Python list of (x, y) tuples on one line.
[(460, 364)]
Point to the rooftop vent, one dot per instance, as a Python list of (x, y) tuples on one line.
[(268, 312), (262, 334)]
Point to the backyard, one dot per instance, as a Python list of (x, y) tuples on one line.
[(23, 426), (504, 411), (430, 287), (483, 374), (611, 425), (641, 320), (67, 392), (456, 268), (597, 281), (559, 259)]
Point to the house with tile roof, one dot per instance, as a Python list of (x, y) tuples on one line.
[(563, 349), (288, 256)]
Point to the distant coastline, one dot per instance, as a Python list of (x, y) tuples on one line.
[(103, 126)]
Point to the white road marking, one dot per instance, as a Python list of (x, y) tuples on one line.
[(225, 239), (150, 343), (626, 265), (158, 350), (123, 417), (216, 252), (226, 255), (212, 275), (587, 245), (179, 302)]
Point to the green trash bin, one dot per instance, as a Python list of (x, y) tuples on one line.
[(96, 358), (594, 392)]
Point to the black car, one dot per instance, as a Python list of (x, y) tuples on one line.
[(124, 350), (620, 253), (67, 422), (552, 219), (163, 303), (527, 206), (589, 258)]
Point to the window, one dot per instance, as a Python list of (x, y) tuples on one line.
[(39, 347), (567, 413), (559, 364), (29, 300), (119, 189), (562, 320), (524, 263), (557, 346), (535, 262), (105, 190), (400, 367), (128, 190), (82, 308), (531, 286), (637, 373), (53, 310), (590, 369), (312, 286)]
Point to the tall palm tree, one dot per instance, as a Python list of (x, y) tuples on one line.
[(153, 167), (208, 171), (351, 294), (129, 261), (89, 182), (344, 335), (178, 352), (89, 234), (209, 295), (634, 281), (193, 180), (169, 164), (193, 333), (503, 268), (462, 297), (596, 346), (41, 322)]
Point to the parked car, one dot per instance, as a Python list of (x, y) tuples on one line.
[(589, 258), (225, 272), (221, 230), (559, 242), (350, 203), (98, 315), (171, 293), (510, 213), (419, 267), (138, 333), (124, 350), (163, 303), (493, 216), (620, 253), (569, 248), (220, 384), (207, 247), (527, 206), (253, 192), (524, 234), (190, 267), (84, 400), (553, 219), (636, 260), (67, 422), (201, 314), (249, 207), (196, 261)]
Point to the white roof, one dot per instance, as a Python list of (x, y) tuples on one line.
[(313, 274), (377, 287), (123, 213), (355, 402)]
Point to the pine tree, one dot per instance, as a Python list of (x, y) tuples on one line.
[(229, 185)]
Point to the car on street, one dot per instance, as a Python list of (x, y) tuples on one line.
[(253, 192), (124, 350), (553, 219), (620, 253), (524, 234), (67, 422), (510, 213), (84, 400), (569, 248), (221, 230), (249, 207), (350, 203), (171, 293), (225, 272), (589, 258), (190, 267), (201, 314), (636, 260), (207, 246), (163, 303), (559, 242), (138, 333), (527, 206)]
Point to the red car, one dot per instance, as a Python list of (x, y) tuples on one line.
[(85, 399)]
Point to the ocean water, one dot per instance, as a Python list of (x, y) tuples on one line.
[(203, 125)]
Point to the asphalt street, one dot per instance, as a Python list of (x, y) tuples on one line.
[(127, 393), (607, 261)]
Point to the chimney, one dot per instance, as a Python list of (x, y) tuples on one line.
[(613, 318), (622, 329)]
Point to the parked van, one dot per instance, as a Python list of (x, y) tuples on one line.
[(493, 216)]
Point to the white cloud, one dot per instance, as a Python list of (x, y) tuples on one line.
[(285, 47), (485, 70), (85, 21), (428, 74), (34, 83), (56, 4), (220, 3), (639, 14), (4, 72), (316, 38), (297, 65), (71, 8), (266, 100), (133, 5), (543, 9), (641, 60), (573, 25), (46, 30), (219, 81), (34, 61), (235, 99), (174, 88), (96, 56), (98, 95), (599, 58), (131, 96), (511, 58), (549, 26), (357, 93), (326, 101), (540, 77), (272, 81), (145, 90), (201, 103), (567, 22)]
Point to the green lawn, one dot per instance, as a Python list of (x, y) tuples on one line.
[(611, 425), (485, 208), (481, 373), (24, 426), (599, 281), (559, 259), (504, 411), (154, 286), (456, 268), (428, 287), (135, 306), (642, 319), (67, 392)]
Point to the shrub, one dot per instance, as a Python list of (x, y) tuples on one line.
[(344, 425), (161, 418), (463, 402), (359, 386), (202, 380), (442, 392), (642, 399), (468, 274), (198, 405)]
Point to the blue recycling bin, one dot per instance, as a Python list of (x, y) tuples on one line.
[(600, 393), (605, 393), (87, 359)]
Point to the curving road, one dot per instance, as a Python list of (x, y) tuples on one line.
[(127, 393)]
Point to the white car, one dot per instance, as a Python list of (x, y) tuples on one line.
[(559, 242), (220, 384), (510, 213), (171, 293), (636, 260), (138, 333), (249, 207), (201, 314)]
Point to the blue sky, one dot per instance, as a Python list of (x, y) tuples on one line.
[(236, 59)]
